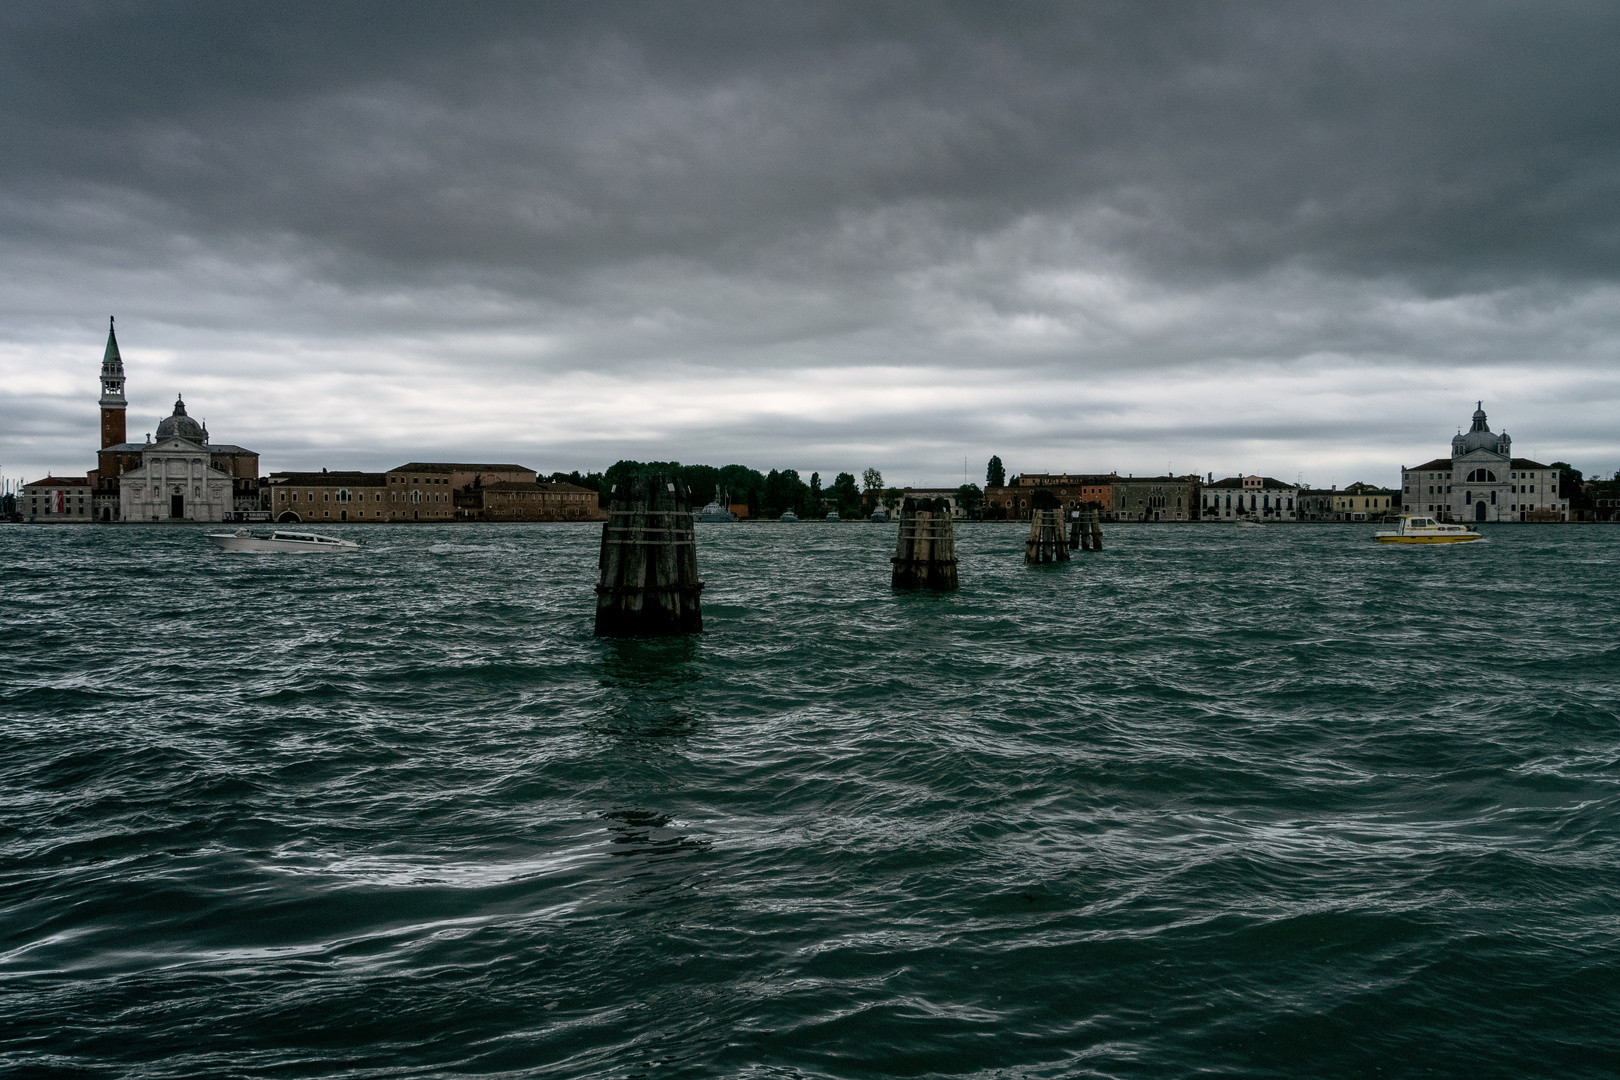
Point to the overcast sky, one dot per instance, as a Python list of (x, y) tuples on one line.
[(1286, 238)]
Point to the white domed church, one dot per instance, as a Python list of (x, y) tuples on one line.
[(1483, 481), (177, 480)]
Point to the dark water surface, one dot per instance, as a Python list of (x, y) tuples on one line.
[(1215, 802)]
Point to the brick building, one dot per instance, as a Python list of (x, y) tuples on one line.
[(516, 501), (1074, 491)]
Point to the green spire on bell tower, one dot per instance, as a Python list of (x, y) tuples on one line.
[(112, 391)]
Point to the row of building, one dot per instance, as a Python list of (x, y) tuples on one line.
[(1192, 498), (1480, 482), (182, 475)]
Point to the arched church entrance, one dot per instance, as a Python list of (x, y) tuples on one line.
[(288, 516), (343, 515), (177, 506), (1479, 510)]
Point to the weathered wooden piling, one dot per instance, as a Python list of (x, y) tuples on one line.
[(1085, 530), (649, 577), (925, 557), (1046, 542)]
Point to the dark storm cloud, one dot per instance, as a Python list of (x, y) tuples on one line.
[(1038, 190), (1421, 139)]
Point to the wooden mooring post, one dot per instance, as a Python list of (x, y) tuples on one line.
[(649, 577), (1046, 542), (925, 557), (1085, 531)]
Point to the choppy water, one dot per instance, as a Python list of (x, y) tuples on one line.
[(1213, 802)]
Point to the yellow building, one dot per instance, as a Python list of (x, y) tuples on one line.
[(1364, 502)]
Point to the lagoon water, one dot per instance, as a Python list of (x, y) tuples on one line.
[(1213, 802)]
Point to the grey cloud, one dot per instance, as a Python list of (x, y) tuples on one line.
[(1047, 191)]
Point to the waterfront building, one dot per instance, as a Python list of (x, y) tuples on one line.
[(327, 497), (1483, 481), (952, 498), (425, 490), (508, 500), (178, 479), (56, 500), (1365, 502), (1604, 498), (1315, 504), (1156, 498), (1262, 498), (1074, 491), (429, 491)]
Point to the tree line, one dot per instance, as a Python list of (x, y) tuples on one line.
[(770, 494)]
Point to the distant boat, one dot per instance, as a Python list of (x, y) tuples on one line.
[(278, 541), (790, 517), (1425, 530), (1245, 523), (881, 514), (833, 517), (715, 512)]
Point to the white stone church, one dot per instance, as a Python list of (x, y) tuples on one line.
[(1483, 481), (177, 479)]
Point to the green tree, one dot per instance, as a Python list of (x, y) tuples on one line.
[(995, 474), (970, 498), (871, 480), (743, 485), (1572, 486), (815, 492), (845, 493)]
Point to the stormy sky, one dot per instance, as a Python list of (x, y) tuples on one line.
[(1295, 239)]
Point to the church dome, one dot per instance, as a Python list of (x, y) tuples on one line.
[(179, 425), (1480, 437)]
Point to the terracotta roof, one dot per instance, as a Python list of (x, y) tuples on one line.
[(61, 481), (1439, 463), (1526, 463)]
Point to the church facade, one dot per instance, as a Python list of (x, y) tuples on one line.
[(1482, 481), (177, 480), (179, 476)]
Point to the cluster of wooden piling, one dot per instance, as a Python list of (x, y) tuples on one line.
[(925, 556), (1085, 532), (649, 583)]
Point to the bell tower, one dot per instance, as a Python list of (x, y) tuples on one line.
[(113, 404)]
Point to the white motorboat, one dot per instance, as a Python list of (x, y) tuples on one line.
[(1426, 530), (294, 542), (833, 517), (715, 512), (790, 517), (1246, 523), (880, 515)]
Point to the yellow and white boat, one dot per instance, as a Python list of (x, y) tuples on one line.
[(1426, 530)]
